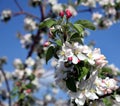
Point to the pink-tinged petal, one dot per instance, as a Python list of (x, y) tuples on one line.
[(74, 60)]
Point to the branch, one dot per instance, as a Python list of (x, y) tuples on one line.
[(36, 41), (7, 85), (18, 5), (42, 10), (37, 37), (25, 13)]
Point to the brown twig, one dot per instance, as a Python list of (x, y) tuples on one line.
[(37, 37), (25, 13), (18, 5), (7, 85)]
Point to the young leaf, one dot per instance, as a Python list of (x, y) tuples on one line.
[(47, 23), (70, 83), (76, 37), (50, 53), (59, 42), (86, 24), (83, 73)]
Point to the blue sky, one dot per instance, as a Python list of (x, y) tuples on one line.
[(108, 40)]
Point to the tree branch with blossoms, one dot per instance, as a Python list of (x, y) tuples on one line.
[(80, 70)]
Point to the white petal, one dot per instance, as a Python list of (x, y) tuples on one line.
[(75, 60), (117, 97), (81, 56), (92, 62), (91, 96), (81, 101)]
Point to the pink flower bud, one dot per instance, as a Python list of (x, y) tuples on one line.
[(70, 58), (61, 14), (46, 44), (68, 13), (28, 91)]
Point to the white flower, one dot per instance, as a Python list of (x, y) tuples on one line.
[(110, 11), (30, 62), (17, 63), (114, 69), (6, 15), (28, 71), (36, 83), (26, 40), (104, 86), (80, 100), (53, 2), (30, 24), (117, 98), (18, 73), (91, 3), (57, 8), (48, 97), (96, 16), (106, 2), (99, 58)]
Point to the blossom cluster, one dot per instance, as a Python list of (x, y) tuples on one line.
[(76, 52), (88, 87)]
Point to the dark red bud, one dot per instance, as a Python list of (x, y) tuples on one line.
[(68, 13), (61, 14)]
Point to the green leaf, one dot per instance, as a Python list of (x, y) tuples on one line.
[(22, 96), (78, 28), (50, 53), (107, 101), (47, 23), (76, 38), (86, 24), (31, 77), (70, 83), (30, 86), (59, 42), (83, 73)]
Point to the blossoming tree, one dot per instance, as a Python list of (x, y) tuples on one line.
[(80, 70)]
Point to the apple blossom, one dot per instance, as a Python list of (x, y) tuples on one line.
[(6, 15), (72, 10), (30, 62), (56, 8), (26, 40), (29, 24), (96, 16), (117, 98)]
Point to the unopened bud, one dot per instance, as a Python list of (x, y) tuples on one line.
[(68, 13), (70, 58), (46, 44), (61, 14), (28, 91)]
